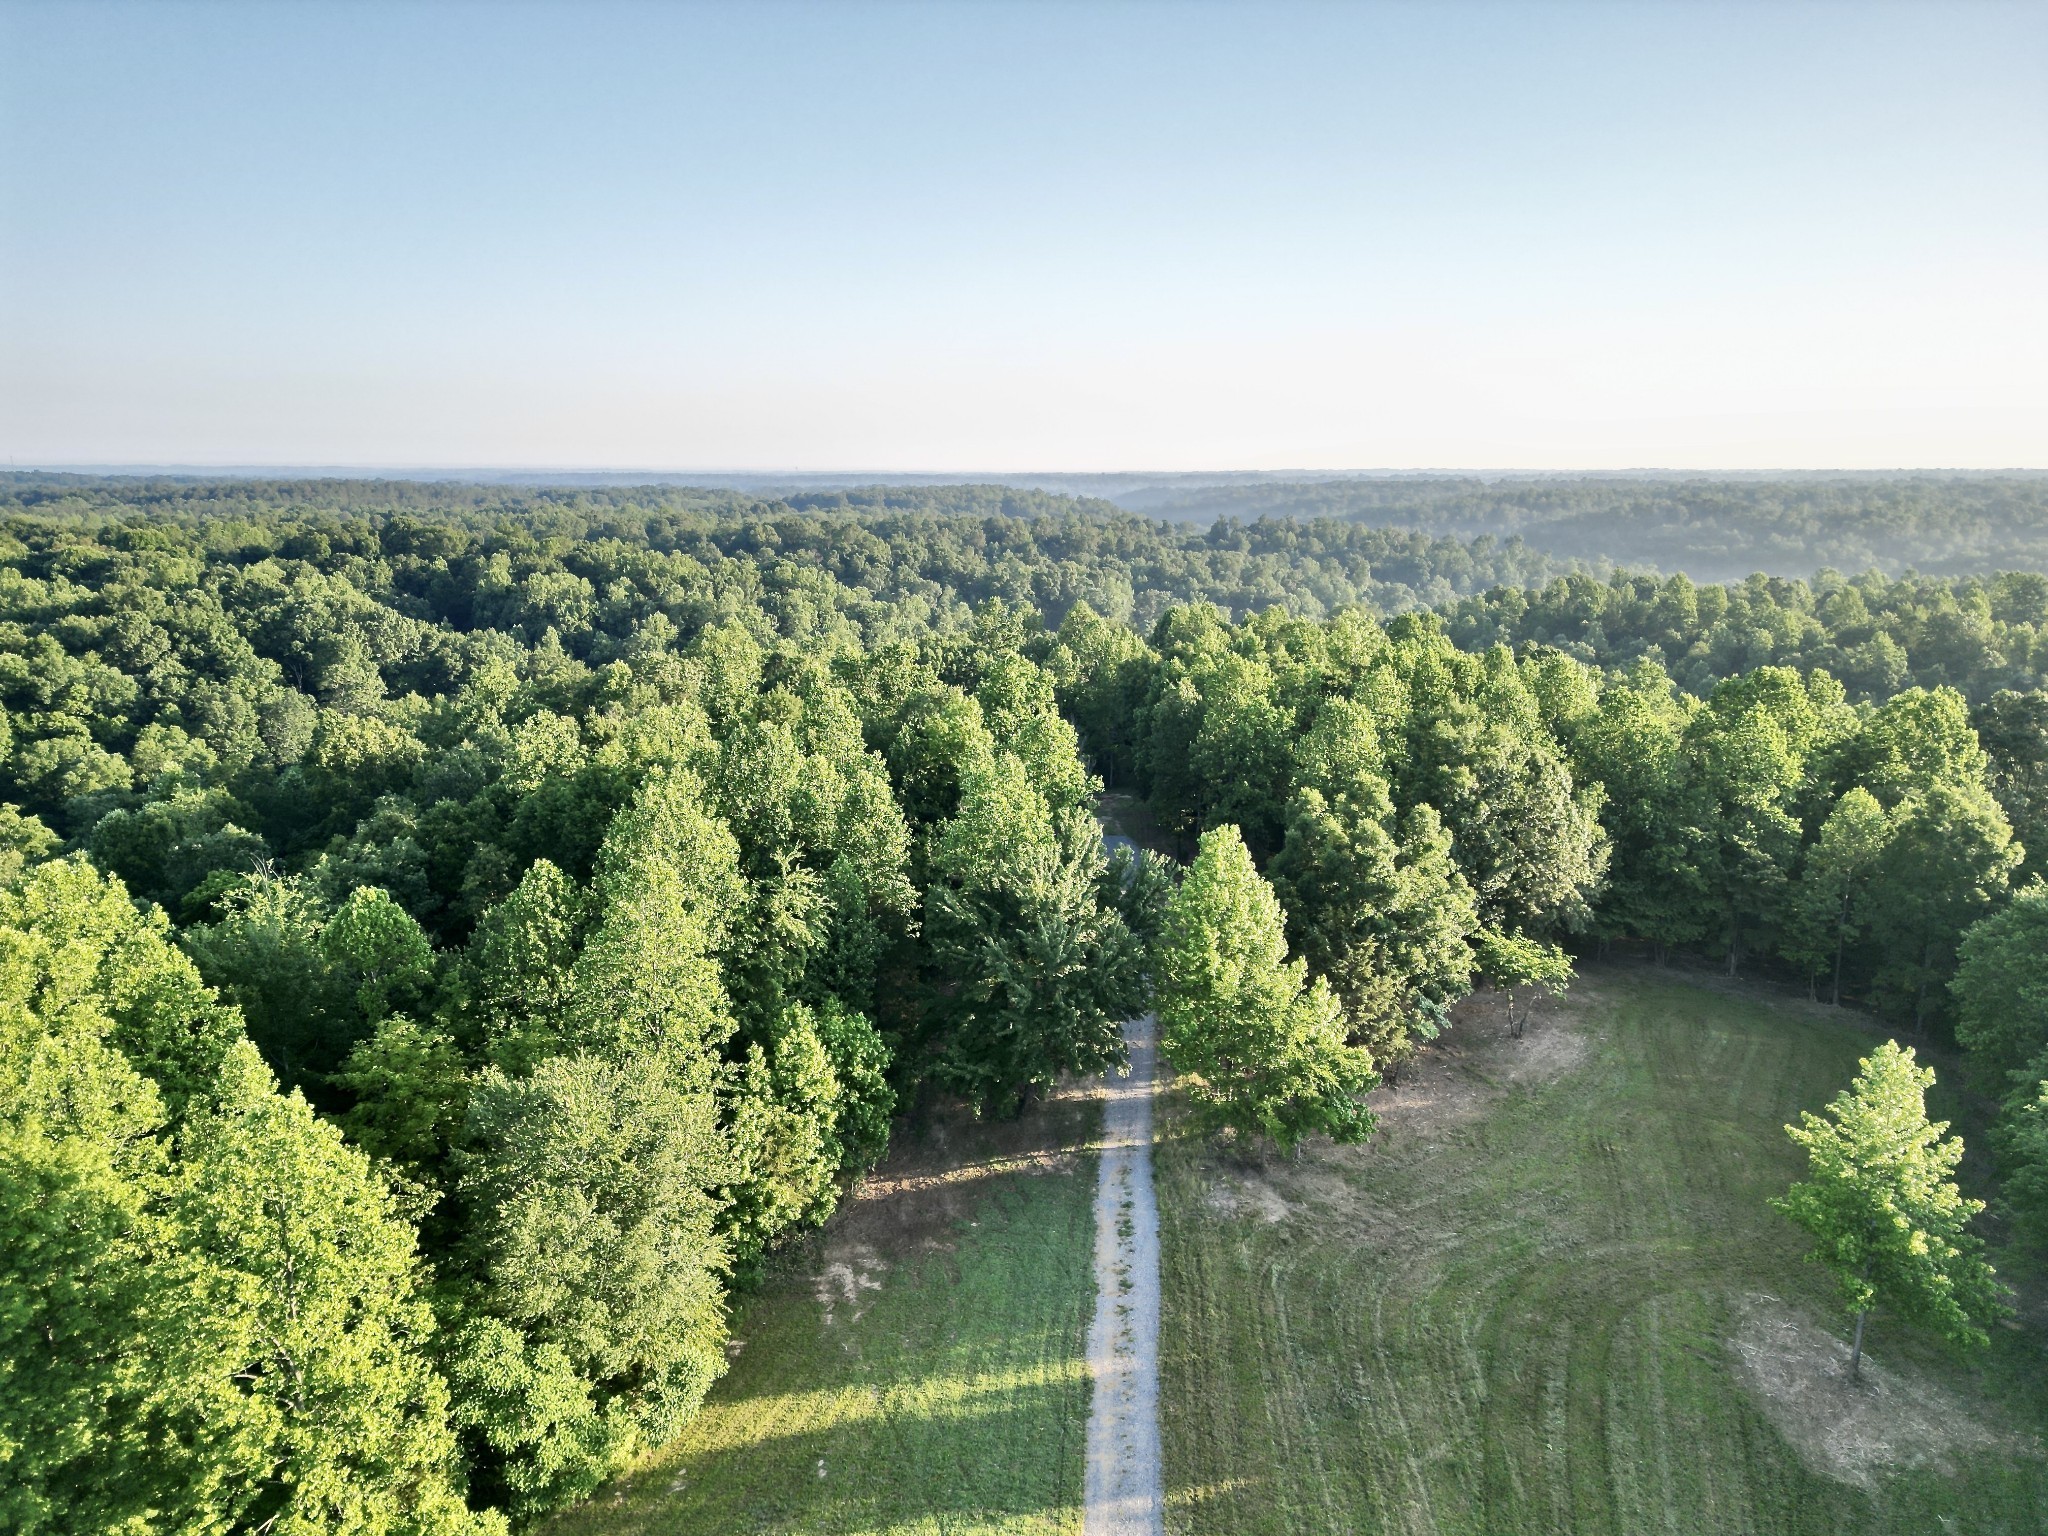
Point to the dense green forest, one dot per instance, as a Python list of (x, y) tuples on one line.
[(452, 936), (927, 548), (1976, 634)]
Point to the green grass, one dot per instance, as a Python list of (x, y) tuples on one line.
[(956, 1401), (1514, 1324)]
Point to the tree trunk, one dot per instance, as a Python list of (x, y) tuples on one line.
[(1841, 942), (1856, 1350), (1734, 944), (1920, 997)]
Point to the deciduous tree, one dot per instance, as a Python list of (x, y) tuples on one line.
[(1261, 1048), (1888, 1223)]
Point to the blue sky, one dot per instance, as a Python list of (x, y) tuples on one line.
[(979, 236)]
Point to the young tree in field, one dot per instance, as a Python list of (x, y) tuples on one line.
[(1519, 967), (1263, 1050), (1882, 1206)]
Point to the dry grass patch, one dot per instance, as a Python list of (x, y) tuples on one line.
[(1853, 1431)]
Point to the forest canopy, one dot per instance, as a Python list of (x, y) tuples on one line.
[(452, 937)]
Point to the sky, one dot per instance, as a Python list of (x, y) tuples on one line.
[(1025, 237)]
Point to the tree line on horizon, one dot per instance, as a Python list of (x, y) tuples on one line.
[(1715, 529), (448, 951)]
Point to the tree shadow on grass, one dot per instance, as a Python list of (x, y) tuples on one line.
[(954, 1397), (1000, 1462)]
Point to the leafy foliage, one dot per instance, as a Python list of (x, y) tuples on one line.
[(1262, 1047), (1888, 1222)]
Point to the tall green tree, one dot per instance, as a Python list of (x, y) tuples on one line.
[(594, 1320), (1386, 923), (1633, 747), (2013, 728), (1261, 1048), (519, 968), (1828, 912), (782, 1122), (666, 887), (309, 1251), (1947, 863), (1888, 1222), (2001, 993), (1746, 746), (1102, 671), (1528, 839), (2001, 987), (1038, 968), (2022, 1141), (215, 1321)]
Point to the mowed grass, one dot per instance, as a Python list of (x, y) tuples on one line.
[(1508, 1315), (948, 1391)]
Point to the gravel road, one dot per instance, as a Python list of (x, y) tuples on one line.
[(1123, 1489)]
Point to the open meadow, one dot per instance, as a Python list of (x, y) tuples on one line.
[(918, 1367), (1549, 1297)]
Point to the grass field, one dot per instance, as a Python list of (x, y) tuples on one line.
[(1511, 1313), (919, 1368)]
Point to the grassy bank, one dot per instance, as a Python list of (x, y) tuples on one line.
[(1545, 1299), (918, 1368)]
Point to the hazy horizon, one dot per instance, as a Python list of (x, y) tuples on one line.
[(971, 474)]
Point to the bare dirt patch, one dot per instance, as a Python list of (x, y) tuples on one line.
[(1855, 1432), (1238, 1193), (851, 1272), (1454, 1080)]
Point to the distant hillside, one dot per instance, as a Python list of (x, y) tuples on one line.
[(1713, 530)]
